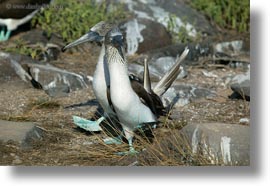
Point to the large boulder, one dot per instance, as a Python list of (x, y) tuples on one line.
[(220, 143), (7, 71), (143, 35), (152, 20), (55, 81), (162, 11), (240, 84), (22, 132), (182, 94)]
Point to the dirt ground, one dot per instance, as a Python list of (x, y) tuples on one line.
[(64, 144)]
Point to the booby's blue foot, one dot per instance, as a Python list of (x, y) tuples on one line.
[(116, 140), (4, 36), (131, 151), (92, 126)]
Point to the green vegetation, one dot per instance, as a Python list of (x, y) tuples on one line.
[(71, 19), (226, 13), (22, 47), (182, 35)]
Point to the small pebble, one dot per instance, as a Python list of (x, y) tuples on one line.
[(17, 161), (244, 120)]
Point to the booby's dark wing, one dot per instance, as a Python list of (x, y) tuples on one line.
[(151, 100), (146, 94), (109, 98), (143, 89)]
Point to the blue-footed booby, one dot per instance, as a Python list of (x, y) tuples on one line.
[(133, 108), (101, 79), (14, 13)]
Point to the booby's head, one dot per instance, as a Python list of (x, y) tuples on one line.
[(96, 34), (114, 43)]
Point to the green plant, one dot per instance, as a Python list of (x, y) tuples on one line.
[(226, 13), (71, 19), (180, 34), (22, 47)]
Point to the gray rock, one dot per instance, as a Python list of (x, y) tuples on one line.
[(153, 19), (181, 95), (34, 36), (23, 132), (152, 41), (231, 48), (140, 38), (240, 84), (161, 11), (243, 89), (7, 71), (55, 81), (195, 21), (58, 91), (220, 143), (157, 69), (196, 50), (232, 52), (10, 69)]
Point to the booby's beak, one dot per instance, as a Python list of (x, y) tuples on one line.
[(117, 41), (90, 36)]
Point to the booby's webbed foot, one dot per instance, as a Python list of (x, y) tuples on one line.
[(131, 151), (92, 126), (115, 140), (4, 36)]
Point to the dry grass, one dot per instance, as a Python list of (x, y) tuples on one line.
[(34, 104), (43, 103), (166, 146), (64, 144)]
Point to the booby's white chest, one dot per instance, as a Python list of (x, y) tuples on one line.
[(101, 80), (130, 110)]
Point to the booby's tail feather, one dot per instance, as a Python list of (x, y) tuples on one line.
[(146, 77), (166, 81)]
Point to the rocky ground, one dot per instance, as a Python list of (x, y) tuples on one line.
[(210, 115)]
